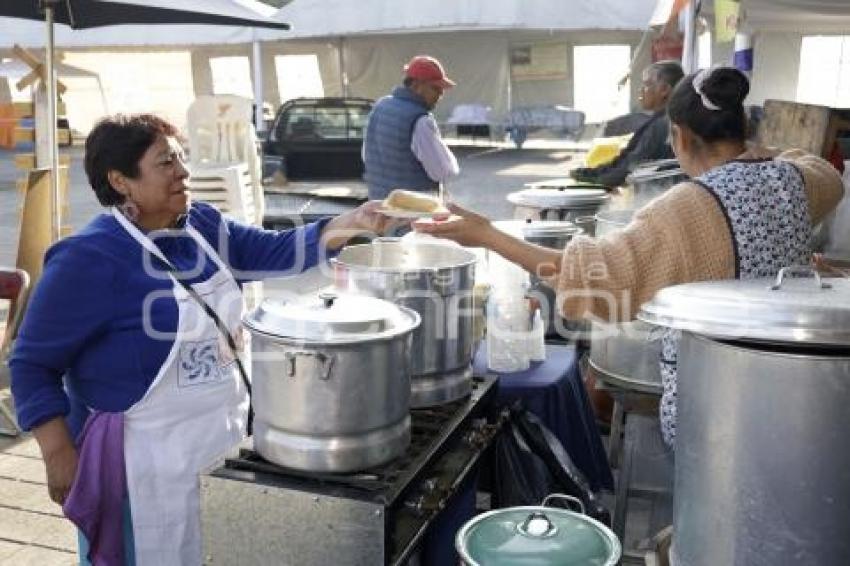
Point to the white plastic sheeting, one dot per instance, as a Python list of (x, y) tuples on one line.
[(479, 60), (810, 16), (333, 18), (816, 16), (31, 34)]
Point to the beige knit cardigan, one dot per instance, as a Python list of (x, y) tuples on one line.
[(679, 237)]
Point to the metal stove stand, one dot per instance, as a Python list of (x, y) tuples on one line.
[(255, 512)]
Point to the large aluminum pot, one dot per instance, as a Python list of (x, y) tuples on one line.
[(436, 281), (537, 536), (604, 222), (331, 381), (554, 234), (626, 353), (561, 204), (654, 178), (762, 467)]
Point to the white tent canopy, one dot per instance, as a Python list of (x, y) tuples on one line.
[(334, 18), (793, 15), (31, 34)]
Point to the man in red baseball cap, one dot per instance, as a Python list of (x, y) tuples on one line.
[(402, 148), (427, 78)]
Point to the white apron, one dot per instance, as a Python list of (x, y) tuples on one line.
[(195, 409)]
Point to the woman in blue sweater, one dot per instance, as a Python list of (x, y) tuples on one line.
[(125, 313)]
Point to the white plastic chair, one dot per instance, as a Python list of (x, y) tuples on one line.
[(221, 137), (14, 287), (226, 169)]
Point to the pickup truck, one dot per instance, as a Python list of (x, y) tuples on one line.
[(312, 158)]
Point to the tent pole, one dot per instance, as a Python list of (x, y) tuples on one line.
[(343, 74), (53, 151), (689, 56), (258, 84)]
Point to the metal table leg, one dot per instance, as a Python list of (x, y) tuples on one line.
[(615, 439), (621, 501)]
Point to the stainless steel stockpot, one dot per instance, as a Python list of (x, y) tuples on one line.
[(627, 353), (434, 280), (653, 178), (605, 221), (331, 381), (762, 466), (558, 204)]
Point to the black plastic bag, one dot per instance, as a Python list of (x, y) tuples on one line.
[(530, 463)]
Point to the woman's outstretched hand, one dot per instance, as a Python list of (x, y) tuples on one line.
[(363, 220), (463, 226)]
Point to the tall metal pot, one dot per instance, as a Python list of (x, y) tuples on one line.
[(331, 381), (561, 204), (628, 353), (762, 467), (434, 280), (653, 178)]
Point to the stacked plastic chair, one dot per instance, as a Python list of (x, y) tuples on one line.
[(226, 167)]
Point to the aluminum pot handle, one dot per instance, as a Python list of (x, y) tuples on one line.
[(568, 498), (584, 219), (441, 280), (325, 361), (800, 270)]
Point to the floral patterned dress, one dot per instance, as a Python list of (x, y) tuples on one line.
[(765, 205)]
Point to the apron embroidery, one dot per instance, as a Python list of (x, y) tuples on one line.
[(200, 363), (195, 410)]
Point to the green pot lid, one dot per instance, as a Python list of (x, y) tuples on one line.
[(332, 318), (525, 536)]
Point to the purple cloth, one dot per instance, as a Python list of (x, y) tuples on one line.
[(95, 503)]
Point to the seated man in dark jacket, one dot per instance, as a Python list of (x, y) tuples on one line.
[(649, 142)]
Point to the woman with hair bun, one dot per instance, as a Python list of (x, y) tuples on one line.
[(746, 212)]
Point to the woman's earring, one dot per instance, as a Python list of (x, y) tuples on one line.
[(130, 209)]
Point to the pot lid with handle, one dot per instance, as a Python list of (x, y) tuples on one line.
[(331, 317), (802, 311), (564, 183), (536, 535), (530, 228), (549, 228), (559, 197)]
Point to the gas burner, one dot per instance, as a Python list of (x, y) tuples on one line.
[(257, 512)]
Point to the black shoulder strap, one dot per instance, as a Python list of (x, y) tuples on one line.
[(231, 342)]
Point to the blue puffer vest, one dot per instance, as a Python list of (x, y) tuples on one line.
[(390, 163)]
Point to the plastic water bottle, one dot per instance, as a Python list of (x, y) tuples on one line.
[(507, 329), (537, 339)]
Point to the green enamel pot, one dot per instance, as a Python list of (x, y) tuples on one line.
[(537, 536)]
